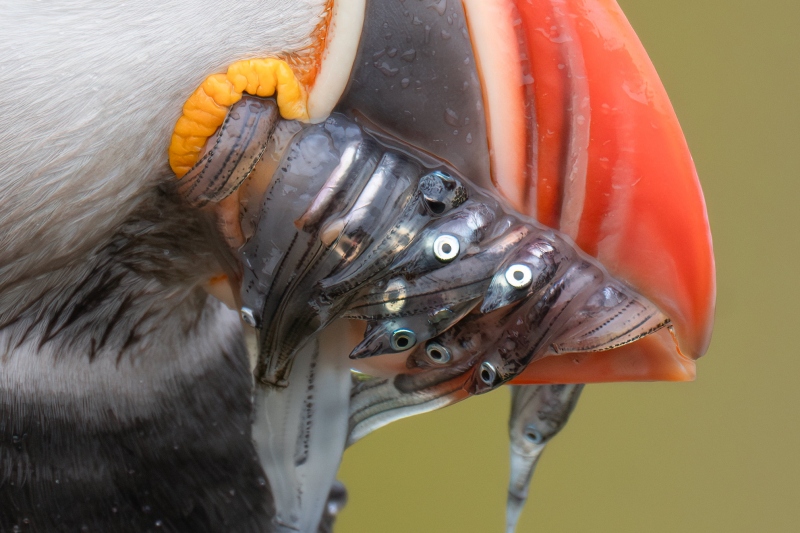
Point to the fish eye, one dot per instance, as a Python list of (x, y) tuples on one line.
[(248, 316), (534, 435), (446, 248), (438, 353), (519, 276), (441, 192), (437, 208), (403, 339), (433, 186), (488, 373)]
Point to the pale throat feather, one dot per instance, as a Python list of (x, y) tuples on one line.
[(102, 68)]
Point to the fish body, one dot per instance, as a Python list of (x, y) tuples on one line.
[(538, 413)]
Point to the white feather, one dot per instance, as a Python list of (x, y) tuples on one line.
[(90, 93)]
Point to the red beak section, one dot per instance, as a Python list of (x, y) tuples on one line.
[(653, 358), (599, 154)]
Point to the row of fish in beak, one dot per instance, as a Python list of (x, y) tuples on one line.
[(427, 259), (356, 226)]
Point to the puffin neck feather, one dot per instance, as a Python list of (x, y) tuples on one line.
[(125, 391)]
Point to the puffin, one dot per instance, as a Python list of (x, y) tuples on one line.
[(139, 390)]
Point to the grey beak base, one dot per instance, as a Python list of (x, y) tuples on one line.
[(415, 78)]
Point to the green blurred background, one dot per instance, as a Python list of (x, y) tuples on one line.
[(720, 454)]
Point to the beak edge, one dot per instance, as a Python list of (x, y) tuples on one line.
[(613, 170), (653, 358)]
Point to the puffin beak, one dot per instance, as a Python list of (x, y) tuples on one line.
[(556, 105), (614, 173)]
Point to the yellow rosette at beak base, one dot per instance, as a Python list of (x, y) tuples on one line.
[(206, 108)]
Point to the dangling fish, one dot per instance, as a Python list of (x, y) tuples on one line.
[(538, 413)]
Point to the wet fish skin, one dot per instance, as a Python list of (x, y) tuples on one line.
[(538, 413), (358, 161), (379, 335), (437, 193), (538, 253), (388, 191), (234, 152), (471, 224)]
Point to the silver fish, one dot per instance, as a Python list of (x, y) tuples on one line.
[(301, 430), (574, 312), (437, 193), (236, 149), (401, 333), (462, 229), (538, 413), (526, 270), (463, 277)]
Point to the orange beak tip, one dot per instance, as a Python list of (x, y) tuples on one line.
[(653, 358)]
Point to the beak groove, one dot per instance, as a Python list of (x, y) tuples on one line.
[(607, 165)]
